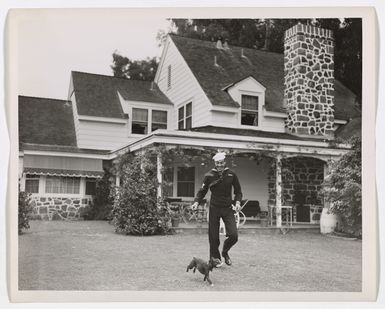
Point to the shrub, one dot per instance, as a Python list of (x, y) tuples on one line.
[(25, 209), (344, 190), (136, 209), (101, 206)]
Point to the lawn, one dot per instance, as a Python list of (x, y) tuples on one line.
[(88, 255)]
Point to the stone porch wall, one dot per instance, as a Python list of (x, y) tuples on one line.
[(300, 176), (58, 208)]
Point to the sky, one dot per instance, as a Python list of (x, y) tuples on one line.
[(51, 44)]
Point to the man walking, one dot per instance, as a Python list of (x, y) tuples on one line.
[(220, 180)]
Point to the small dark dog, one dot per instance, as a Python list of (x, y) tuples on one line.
[(203, 267)]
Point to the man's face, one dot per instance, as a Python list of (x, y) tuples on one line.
[(220, 165)]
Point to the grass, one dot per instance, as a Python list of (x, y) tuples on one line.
[(88, 255)]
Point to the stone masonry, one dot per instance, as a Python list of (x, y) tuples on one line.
[(309, 80), (303, 176), (58, 208)]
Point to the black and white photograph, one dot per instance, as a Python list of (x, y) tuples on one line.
[(165, 152)]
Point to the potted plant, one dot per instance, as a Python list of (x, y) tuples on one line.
[(175, 214)]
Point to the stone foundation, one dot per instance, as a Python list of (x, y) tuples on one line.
[(58, 208)]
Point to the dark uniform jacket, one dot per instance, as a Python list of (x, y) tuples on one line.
[(220, 186)]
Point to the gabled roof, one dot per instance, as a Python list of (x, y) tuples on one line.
[(46, 121), (266, 67), (97, 95)]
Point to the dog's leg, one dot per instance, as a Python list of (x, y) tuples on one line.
[(195, 268), (208, 279)]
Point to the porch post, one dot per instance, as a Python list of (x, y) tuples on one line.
[(278, 191), (159, 174), (326, 183)]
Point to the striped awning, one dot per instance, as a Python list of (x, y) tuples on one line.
[(66, 173)]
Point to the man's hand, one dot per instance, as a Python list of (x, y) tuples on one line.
[(237, 207), (194, 206)]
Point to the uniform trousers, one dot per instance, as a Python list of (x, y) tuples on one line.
[(227, 215)]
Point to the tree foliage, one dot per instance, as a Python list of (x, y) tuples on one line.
[(101, 206), (137, 210), (137, 69), (268, 34), (24, 210), (344, 191)]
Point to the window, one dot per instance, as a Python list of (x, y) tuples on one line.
[(185, 117), (68, 185), (90, 186), (186, 180), (169, 77), (159, 120), (32, 183), (249, 112), (139, 121)]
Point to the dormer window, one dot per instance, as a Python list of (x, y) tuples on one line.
[(147, 120), (139, 121), (249, 110), (159, 120), (185, 117)]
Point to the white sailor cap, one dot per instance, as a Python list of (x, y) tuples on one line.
[(219, 156)]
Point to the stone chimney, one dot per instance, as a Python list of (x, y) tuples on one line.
[(309, 80)]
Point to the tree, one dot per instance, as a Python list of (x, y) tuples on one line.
[(138, 69), (344, 191), (24, 211), (137, 210)]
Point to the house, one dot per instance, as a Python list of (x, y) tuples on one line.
[(286, 110)]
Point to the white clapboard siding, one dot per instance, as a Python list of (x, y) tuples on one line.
[(225, 119), (273, 124), (254, 180), (184, 87), (102, 135)]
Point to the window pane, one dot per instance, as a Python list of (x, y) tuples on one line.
[(156, 126), (139, 128), (180, 125), (186, 173), (67, 185), (139, 114), (159, 116), (168, 180), (32, 185), (181, 113), (185, 189), (188, 109), (249, 119), (90, 187), (249, 102), (188, 123)]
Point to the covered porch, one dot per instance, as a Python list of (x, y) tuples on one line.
[(280, 178)]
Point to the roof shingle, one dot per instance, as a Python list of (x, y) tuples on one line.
[(46, 121), (97, 95), (266, 67)]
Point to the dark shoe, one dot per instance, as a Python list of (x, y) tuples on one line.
[(227, 259), (217, 262)]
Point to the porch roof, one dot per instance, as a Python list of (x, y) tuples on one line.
[(273, 143)]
